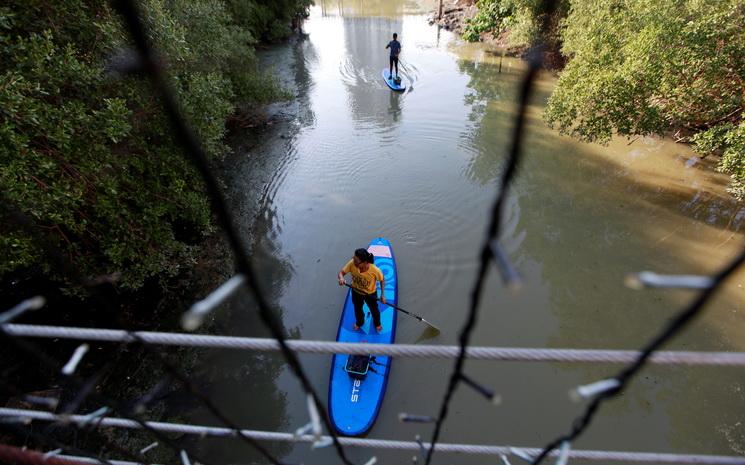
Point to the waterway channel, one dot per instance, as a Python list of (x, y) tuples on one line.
[(349, 160)]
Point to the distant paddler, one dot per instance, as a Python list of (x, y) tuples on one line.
[(395, 47)]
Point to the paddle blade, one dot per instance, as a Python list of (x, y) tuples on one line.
[(429, 332), (431, 327)]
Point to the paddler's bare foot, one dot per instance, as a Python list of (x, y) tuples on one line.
[(379, 328), (355, 327)]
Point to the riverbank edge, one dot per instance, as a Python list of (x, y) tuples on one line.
[(455, 14), (156, 306)]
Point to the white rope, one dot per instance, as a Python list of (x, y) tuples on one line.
[(591, 390), (77, 356), (34, 303), (192, 319), (377, 443), (395, 350), (74, 458), (651, 279)]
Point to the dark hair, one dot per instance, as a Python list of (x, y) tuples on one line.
[(395, 35), (364, 255)]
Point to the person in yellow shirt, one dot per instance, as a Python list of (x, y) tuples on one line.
[(365, 276)]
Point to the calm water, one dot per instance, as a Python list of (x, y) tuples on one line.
[(350, 160)]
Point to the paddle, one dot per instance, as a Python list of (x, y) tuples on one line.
[(403, 66), (408, 74), (404, 311)]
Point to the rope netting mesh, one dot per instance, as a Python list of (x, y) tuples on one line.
[(490, 253)]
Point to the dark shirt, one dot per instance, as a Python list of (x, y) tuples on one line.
[(395, 47)]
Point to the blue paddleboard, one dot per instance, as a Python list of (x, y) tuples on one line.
[(391, 83), (354, 402)]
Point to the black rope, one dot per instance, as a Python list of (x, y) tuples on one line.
[(681, 320), (45, 438), (77, 381), (13, 390), (89, 384), (192, 148), (486, 251), (196, 392), (86, 387)]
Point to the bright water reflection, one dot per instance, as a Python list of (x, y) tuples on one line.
[(354, 160)]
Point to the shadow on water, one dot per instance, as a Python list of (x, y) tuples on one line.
[(245, 383)]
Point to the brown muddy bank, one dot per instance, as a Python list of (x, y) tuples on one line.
[(455, 14)]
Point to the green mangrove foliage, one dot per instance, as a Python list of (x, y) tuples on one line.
[(651, 66), (269, 20), (493, 16), (640, 67), (521, 18), (87, 159)]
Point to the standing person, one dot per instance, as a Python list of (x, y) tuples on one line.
[(365, 276), (395, 47)]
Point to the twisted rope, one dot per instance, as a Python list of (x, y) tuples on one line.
[(377, 443), (393, 350)]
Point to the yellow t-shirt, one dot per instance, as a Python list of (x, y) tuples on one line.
[(365, 282)]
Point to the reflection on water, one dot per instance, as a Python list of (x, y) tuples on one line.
[(243, 384), (491, 87), (366, 38), (394, 106), (421, 168), (373, 8), (303, 55)]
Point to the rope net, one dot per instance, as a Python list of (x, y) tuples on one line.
[(17, 422)]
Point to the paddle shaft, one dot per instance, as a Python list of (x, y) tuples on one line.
[(403, 66), (400, 309)]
